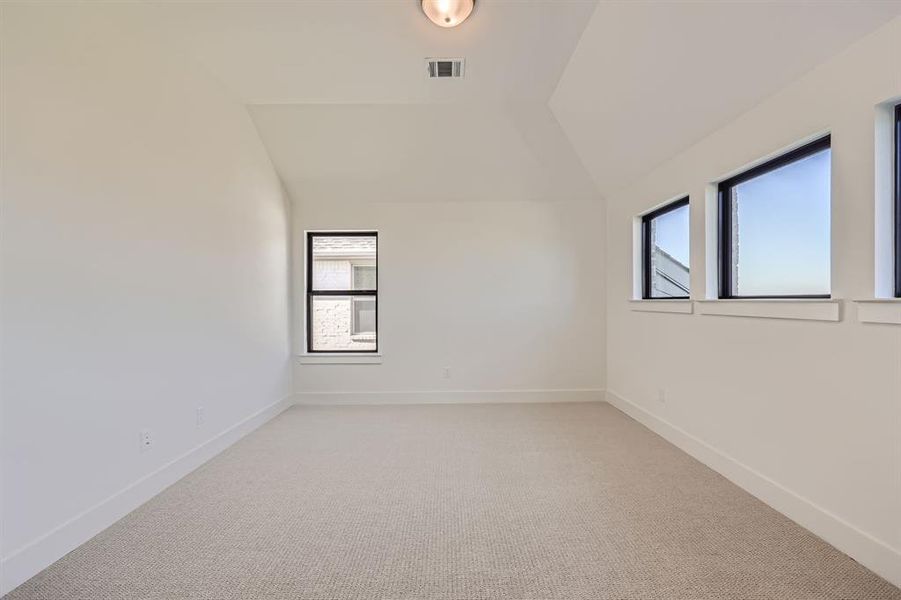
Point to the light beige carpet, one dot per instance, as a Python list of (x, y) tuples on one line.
[(473, 501)]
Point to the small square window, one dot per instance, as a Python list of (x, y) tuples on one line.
[(665, 252), (774, 232)]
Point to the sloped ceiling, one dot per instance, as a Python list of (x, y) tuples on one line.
[(631, 83), (415, 153), (648, 79), (373, 51), (339, 93)]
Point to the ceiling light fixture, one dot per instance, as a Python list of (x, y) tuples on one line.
[(447, 13)]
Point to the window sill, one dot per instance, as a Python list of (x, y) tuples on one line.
[(827, 309), (339, 358), (879, 310), (664, 306)]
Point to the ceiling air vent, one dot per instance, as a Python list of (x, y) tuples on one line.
[(444, 67)]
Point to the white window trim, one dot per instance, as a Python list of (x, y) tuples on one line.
[(815, 309), (681, 306), (884, 208), (321, 358), (879, 310)]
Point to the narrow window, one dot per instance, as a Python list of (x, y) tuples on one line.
[(774, 229), (665, 252), (342, 291), (898, 201)]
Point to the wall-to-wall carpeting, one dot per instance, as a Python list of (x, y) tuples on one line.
[(455, 501)]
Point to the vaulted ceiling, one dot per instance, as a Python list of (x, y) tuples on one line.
[(372, 51), (415, 153), (630, 83), (649, 79)]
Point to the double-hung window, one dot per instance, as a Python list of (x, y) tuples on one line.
[(775, 227), (665, 252), (342, 291)]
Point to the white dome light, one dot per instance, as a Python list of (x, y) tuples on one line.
[(447, 13)]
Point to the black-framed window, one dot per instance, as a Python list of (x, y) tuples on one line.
[(342, 291), (775, 227), (665, 272), (898, 201)]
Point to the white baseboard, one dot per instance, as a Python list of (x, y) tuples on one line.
[(869, 551), (448, 397), (37, 555)]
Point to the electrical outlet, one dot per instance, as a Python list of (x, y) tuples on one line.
[(661, 396), (446, 373), (201, 416), (146, 440)]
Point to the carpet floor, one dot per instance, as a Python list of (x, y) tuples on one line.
[(454, 502)]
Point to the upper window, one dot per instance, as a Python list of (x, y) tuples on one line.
[(665, 252), (898, 201), (342, 291), (774, 232)]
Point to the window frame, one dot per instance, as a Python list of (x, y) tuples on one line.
[(724, 205), (311, 293), (897, 201), (646, 221)]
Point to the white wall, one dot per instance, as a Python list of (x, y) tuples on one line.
[(499, 292), (144, 273), (811, 409), (490, 238)]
